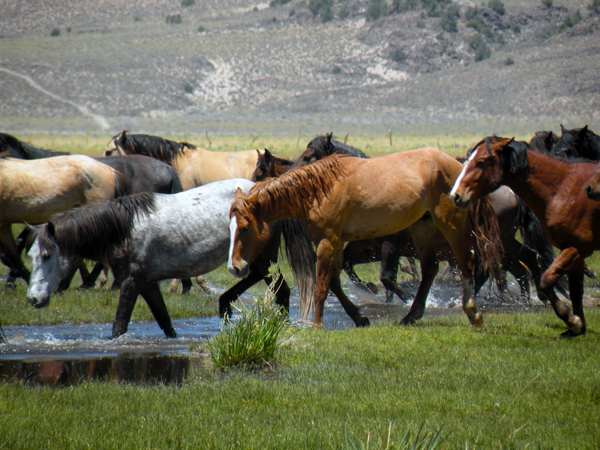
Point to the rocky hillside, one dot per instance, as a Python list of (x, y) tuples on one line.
[(346, 65)]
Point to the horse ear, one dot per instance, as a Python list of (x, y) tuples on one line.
[(50, 229), (329, 136), (239, 193), (122, 136), (583, 130), (268, 156), (562, 129)]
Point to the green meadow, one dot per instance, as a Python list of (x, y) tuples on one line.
[(513, 384)]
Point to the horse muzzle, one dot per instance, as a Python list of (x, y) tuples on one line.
[(38, 302), (592, 195), (460, 201), (240, 270)]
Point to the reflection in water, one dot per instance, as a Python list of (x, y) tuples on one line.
[(164, 369)]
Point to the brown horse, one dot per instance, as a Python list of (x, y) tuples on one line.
[(31, 191), (344, 199), (592, 187), (554, 190), (196, 166)]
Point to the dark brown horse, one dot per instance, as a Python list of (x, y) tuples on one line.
[(343, 199), (554, 190)]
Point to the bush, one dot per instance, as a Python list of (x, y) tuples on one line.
[(326, 13), (344, 12), (497, 5), (186, 3), (174, 19), (399, 55), (201, 29), (515, 27), (508, 61), (449, 19), (482, 50), (375, 10), (547, 3), (274, 3), (336, 70), (593, 5), (251, 340), (55, 32)]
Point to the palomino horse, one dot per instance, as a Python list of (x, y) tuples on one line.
[(554, 190), (344, 199), (196, 166), (146, 238), (31, 191)]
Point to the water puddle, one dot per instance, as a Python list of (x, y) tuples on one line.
[(65, 354)]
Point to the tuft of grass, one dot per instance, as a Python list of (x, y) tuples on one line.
[(252, 339), (422, 440)]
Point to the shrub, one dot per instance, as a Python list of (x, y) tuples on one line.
[(344, 12), (55, 32), (336, 70), (252, 339), (174, 19), (508, 61), (515, 27), (593, 5), (274, 3), (399, 55), (482, 50), (187, 87), (547, 3), (375, 10), (497, 5), (449, 19), (420, 24), (137, 19), (186, 3), (201, 29), (326, 13)]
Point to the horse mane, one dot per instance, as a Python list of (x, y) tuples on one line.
[(514, 156), (543, 141), (95, 230), (578, 144), (23, 150), (156, 147), (310, 183), (326, 145)]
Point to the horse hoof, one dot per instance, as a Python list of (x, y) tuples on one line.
[(407, 321), (363, 322), (576, 325), (568, 335), (478, 321), (171, 333)]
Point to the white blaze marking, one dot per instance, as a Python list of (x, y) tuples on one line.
[(462, 174), (232, 229)]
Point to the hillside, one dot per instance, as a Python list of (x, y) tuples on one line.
[(245, 66)]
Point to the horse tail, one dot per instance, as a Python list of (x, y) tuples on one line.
[(534, 238), (488, 243), (302, 260), (175, 180)]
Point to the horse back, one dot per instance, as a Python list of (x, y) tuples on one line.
[(200, 166)]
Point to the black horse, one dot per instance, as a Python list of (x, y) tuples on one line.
[(577, 143)]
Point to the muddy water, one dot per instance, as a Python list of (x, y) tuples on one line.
[(65, 354)]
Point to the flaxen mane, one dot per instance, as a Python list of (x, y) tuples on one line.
[(310, 183), (94, 230)]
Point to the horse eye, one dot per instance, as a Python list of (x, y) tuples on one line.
[(46, 256), (481, 163)]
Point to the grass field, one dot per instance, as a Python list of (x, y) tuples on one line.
[(510, 385)]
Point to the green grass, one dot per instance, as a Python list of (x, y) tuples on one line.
[(512, 384)]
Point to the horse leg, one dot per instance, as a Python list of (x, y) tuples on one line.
[(127, 297), (151, 293), (235, 291), (350, 308), (390, 258), (422, 234), (351, 257), (11, 252), (570, 262), (521, 274)]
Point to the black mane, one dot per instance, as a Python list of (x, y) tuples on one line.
[(578, 143), (95, 230), (154, 146), (23, 150), (326, 146), (514, 156)]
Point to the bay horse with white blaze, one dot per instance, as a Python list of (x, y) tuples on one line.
[(344, 199), (554, 190)]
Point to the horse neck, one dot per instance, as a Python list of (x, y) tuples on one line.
[(539, 182)]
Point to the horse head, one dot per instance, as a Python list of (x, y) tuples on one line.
[(249, 233), (264, 166), (592, 187), (482, 172), (48, 266), (117, 144)]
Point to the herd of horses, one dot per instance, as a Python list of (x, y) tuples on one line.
[(169, 210)]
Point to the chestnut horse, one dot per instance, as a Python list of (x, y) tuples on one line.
[(196, 166), (344, 199), (554, 190), (31, 191)]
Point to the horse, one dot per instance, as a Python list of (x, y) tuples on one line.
[(147, 238), (196, 166), (32, 191), (342, 198), (554, 190), (535, 252), (23, 150), (580, 143)]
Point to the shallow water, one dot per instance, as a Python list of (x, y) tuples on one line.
[(65, 354)]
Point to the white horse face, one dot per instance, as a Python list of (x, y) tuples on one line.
[(48, 268)]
